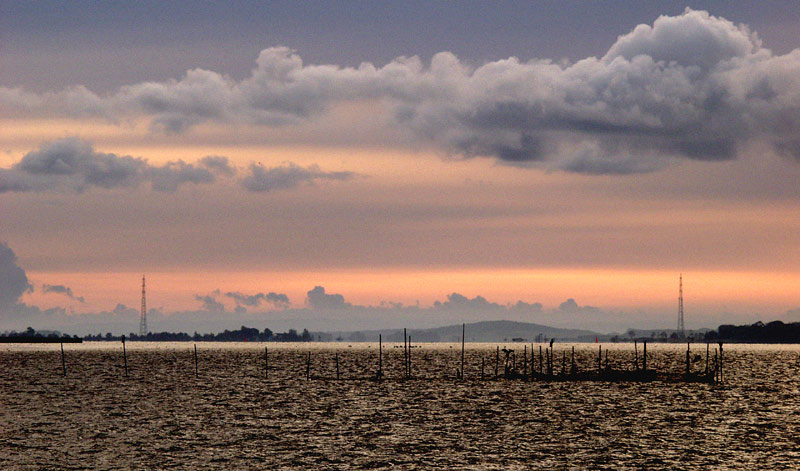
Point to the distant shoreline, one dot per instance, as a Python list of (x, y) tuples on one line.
[(28, 339)]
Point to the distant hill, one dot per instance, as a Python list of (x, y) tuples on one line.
[(486, 331)]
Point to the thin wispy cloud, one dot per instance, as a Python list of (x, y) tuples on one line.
[(61, 289)]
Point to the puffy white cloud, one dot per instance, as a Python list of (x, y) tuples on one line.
[(693, 85), (319, 299)]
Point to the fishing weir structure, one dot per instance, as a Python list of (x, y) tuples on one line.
[(537, 365)]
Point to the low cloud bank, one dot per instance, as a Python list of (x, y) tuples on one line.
[(73, 165)]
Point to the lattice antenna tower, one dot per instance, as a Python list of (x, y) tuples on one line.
[(681, 329), (143, 316)]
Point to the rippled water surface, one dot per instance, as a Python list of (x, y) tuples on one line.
[(231, 417)]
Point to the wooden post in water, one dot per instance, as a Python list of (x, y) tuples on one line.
[(644, 355), (496, 361), (409, 356), (463, 331), (564, 363), (707, 348), (482, 364), (196, 374), (266, 362), (599, 359), (549, 362), (721, 378), (541, 361), (572, 369), (524, 362), (405, 353), (687, 360), (380, 356), (308, 366), (337, 365), (125, 356), (63, 361), (635, 355)]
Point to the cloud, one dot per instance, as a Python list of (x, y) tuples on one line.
[(289, 175), (210, 303), (318, 299), (218, 164), (72, 164), (568, 306), (459, 302), (61, 289), (13, 280), (125, 311), (694, 86), (254, 300)]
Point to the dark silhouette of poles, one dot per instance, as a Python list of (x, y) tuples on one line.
[(337, 365), (483, 360), (707, 352), (720, 362), (196, 374), (63, 361), (125, 356), (636, 355)]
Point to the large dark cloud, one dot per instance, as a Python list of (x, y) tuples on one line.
[(13, 280), (694, 86)]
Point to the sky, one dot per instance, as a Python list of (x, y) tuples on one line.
[(354, 165)]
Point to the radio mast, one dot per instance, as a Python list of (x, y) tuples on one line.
[(681, 330), (143, 317)]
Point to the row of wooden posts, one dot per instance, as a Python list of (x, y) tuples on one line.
[(546, 369)]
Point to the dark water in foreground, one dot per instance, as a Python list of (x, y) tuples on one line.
[(162, 417)]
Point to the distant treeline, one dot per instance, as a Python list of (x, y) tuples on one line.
[(30, 335), (245, 334), (773, 332)]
